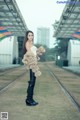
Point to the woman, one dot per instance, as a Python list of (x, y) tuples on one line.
[(30, 58), (28, 43)]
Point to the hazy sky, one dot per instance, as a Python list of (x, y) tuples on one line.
[(40, 13)]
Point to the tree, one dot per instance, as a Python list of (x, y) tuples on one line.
[(61, 47)]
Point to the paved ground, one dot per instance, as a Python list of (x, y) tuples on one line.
[(75, 69), (2, 67), (53, 103)]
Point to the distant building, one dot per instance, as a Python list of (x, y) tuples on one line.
[(73, 54), (43, 36)]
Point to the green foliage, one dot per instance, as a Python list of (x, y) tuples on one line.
[(61, 47)]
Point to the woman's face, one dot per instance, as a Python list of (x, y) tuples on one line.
[(30, 36)]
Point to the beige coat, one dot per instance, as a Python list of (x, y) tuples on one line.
[(31, 60)]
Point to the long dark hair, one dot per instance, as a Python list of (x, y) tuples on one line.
[(25, 40)]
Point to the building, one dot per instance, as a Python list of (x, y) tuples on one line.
[(11, 23), (9, 50), (73, 54), (43, 36)]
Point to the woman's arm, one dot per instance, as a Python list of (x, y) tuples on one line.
[(27, 45)]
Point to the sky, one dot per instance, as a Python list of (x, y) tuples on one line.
[(40, 13)]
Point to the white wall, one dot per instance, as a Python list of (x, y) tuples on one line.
[(15, 48), (73, 55), (8, 50)]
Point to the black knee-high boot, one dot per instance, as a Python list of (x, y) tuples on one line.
[(31, 84), (30, 90)]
